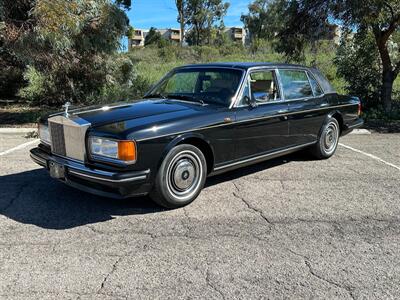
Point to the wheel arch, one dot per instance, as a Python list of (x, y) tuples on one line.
[(195, 139), (339, 118)]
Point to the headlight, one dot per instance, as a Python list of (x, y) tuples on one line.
[(44, 134), (118, 150)]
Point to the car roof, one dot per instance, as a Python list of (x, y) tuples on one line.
[(243, 65)]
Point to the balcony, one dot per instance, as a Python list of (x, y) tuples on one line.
[(175, 35)]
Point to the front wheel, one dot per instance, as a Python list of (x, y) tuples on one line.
[(180, 178), (328, 140)]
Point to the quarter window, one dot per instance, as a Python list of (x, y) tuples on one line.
[(295, 84), (315, 86)]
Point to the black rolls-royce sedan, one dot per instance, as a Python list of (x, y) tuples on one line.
[(199, 120)]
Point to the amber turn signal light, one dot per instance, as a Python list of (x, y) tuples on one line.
[(127, 151)]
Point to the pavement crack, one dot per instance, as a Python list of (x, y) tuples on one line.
[(311, 270), (114, 268), (249, 206), (184, 224), (315, 274), (211, 285)]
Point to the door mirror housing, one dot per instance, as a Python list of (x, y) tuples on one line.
[(250, 101)]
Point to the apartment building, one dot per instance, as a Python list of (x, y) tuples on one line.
[(171, 34), (237, 34), (137, 40), (139, 36)]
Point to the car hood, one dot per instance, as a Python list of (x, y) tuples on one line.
[(107, 114)]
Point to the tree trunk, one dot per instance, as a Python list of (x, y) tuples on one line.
[(182, 30), (388, 78)]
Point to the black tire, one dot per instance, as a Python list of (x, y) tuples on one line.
[(181, 177), (328, 140)]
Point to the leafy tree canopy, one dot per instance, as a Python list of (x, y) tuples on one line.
[(201, 17), (153, 37), (69, 41)]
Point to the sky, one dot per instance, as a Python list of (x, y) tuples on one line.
[(162, 13)]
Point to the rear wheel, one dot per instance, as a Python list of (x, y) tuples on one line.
[(328, 140), (180, 178)]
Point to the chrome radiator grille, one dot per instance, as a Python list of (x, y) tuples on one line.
[(57, 138), (68, 137)]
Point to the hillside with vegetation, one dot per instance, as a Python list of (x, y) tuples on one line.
[(57, 51)]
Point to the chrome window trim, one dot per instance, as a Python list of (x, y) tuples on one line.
[(309, 75), (278, 75), (297, 69), (255, 70)]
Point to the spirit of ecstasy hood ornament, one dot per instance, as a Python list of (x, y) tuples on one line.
[(66, 106)]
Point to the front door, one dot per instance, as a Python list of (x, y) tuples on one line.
[(261, 124)]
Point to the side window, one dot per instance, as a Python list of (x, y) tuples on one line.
[(295, 84), (315, 85), (264, 87)]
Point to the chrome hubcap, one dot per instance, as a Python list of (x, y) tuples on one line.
[(184, 175), (331, 137)]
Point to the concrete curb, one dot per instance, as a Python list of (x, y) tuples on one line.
[(361, 132), (16, 130)]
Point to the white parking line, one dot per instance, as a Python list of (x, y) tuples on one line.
[(371, 156), (19, 147)]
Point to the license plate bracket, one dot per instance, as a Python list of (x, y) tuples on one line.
[(56, 170)]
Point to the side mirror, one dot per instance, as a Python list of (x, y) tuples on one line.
[(250, 102)]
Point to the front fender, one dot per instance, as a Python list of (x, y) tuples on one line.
[(190, 137)]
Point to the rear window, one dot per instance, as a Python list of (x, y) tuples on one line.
[(325, 85)]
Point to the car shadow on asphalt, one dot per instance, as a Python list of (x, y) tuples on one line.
[(32, 197)]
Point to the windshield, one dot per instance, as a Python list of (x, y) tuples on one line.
[(211, 85)]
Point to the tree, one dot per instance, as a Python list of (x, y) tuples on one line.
[(153, 37), (66, 42), (180, 6), (11, 78), (357, 61), (382, 19), (287, 25), (202, 16), (258, 20), (301, 20)]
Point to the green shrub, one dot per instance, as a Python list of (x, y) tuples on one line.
[(38, 86)]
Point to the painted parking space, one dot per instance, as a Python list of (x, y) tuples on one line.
[(290, 227)]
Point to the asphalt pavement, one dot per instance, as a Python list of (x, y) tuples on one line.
[(291, 227)]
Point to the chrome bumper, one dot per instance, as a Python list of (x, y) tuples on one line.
[(119, 184), (356, 124)]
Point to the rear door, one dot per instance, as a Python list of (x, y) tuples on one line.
[(262, 128), (306, 105)]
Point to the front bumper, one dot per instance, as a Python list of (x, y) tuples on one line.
[(95, 181)]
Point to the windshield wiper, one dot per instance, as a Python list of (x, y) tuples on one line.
[(157, 95), (185, 97)]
